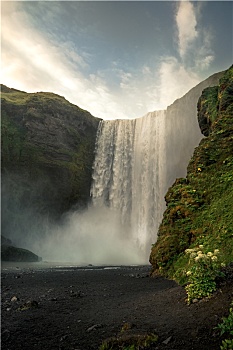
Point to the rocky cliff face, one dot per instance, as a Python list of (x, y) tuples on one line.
[(47, 154), (183, 133), (200, 206)]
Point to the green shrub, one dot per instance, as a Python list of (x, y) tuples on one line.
[(227, 344), (204, 268), (226, 327)]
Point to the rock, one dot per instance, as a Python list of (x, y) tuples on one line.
[(206, 114), (5, 241), (11, 253), (64, 337), (14, 298), (166, 341), (31, 304), (94, 327)]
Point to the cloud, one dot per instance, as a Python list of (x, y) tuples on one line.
[(32, 63), (125, 79), (155, 87), (204, 55), (186, 24), (175, 80), (33, 60), (146, 70), (194, 41)]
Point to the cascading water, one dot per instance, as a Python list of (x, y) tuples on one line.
[(128, 174), (137, 160), (148, 177)]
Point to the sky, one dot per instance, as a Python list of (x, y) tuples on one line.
[(116, 59)]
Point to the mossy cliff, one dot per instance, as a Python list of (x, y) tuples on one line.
[(47, 153), (200, 206)]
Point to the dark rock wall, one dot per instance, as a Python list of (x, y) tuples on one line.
[(47, 153)]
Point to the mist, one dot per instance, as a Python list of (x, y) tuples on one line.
[(95, 236), (92, 236)]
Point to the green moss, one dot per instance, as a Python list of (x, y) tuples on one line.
[(225, 95), (200, 207), (208, 103)]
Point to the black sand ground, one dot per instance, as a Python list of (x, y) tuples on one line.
[(75, 309)]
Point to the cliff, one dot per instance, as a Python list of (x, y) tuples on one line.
[(183, 133), (47, 154), (200, 206)]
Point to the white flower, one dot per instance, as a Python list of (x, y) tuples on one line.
[(209, 254), (188, 251), (216, 251), (223, 265), (188, 273), (214, 258), (201, 246), (197, 258)]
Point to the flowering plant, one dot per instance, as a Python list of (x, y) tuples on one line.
[(204, 268)]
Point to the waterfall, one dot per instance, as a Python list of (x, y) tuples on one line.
[(137, 160), (129, 173)]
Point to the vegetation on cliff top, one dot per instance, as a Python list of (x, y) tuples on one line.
[(200, 206)]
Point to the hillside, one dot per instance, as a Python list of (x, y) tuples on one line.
[(47, 150), (200, 206)]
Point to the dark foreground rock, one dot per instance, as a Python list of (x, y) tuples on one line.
[(76, 309)]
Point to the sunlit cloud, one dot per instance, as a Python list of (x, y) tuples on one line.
[(186, 24), (194, 42), (31, 63), (204, 56), (175, 80)]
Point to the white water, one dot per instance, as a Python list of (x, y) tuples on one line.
[(129, 174)]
